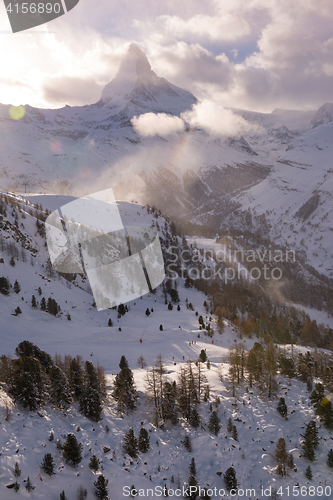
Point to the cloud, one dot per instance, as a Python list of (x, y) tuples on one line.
[(150, 124), (217, 120), (64, 90)]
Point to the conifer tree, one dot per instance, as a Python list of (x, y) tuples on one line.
[(124, 390), (16, 287), (110, 322), (229, 425), (147, 312), (33, 302), (12, 261), (308, 473), (16, 486), (76, 377), (203, 356), (281, 456), (28, 382), (131, 443), (94, 463), (230, 480), (63, 496), (214, 423), (192, 490), (234, 433), (72, 450), (28, 485), (143, 442), (192, 468), (101, 487), (330, 458), (59, 388), (310, 441), (187, 443), (43, 304), (17, 470), (123, 363), (48, 464), (194, 419), (282, 407)]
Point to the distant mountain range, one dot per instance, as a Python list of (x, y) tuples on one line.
[(282, 170)]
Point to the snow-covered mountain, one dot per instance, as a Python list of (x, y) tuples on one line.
[(24, 436), (283, 166)]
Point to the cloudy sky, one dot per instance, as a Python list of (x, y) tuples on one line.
[(252, 54)]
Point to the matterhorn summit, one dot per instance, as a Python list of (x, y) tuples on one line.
[(137, 88)]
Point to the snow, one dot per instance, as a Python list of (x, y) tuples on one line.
[(24, 436)]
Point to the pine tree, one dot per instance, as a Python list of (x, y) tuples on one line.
[(308, 473), (234, 433), (91, 404), (28, 382), (76, 378), (147, 312), (330, 458), (110, 322), (16, 287), (170, 306), (28, 485), (310, 441), (281, 456), (94, 463), (17, 470), (43, 304), (63, 496), (230, 480), (161, 328), (72, 450), (48, 464), (187, 443), (33, 302), (229, 425), (194, 419), (18, 311), (12, 261), (143, 442), (101, 487), (193, 484), (192, 468), (203, 356), (16, 486), (124, 390), (282, 408), (131, 443), (214, 423), (123, 363), (59, 388)]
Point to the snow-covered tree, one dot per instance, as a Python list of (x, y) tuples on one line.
[(94, 463), (214, 423), (124, 390), (72, 450), (282, 407), (130, 443), (16, 287), (308, 473), (230, 480), (59, 388), (143, 442), (192, 468), (48, 464), (17, 470), (101, 487)]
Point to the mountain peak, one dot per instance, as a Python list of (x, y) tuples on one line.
[(137, 85), (324, 115)]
